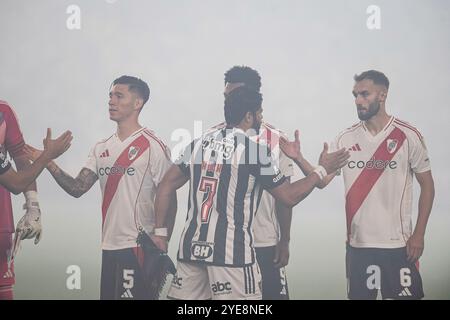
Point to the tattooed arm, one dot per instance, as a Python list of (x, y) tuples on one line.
[(76, 187)]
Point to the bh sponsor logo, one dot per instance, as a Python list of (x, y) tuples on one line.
[(201, 250)]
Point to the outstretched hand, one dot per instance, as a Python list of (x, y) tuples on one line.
[(333, 161), (291, 148), (53, 148)]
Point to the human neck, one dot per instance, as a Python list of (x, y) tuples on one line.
[(377, 122), (243, 127), (126, 128)]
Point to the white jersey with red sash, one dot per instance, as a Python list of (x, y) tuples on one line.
[(378, 182), (129, 172)]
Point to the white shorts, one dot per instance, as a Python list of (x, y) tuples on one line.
[(197, 281)]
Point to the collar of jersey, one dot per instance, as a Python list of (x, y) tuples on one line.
[(131, 135), (380, 134)]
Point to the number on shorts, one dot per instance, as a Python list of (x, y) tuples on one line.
[(405, 277), (128, 278)]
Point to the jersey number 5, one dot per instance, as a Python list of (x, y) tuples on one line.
[(209, 186)]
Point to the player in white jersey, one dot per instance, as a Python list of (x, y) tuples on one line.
[(226, 169), (382, 247), (129, 166), (272, 223)]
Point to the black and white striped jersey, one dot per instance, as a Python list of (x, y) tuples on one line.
[(227, 172)]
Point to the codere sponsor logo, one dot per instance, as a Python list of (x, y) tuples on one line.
[(116, 170), (372, 164)]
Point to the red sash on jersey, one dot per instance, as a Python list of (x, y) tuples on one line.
[(126, 158), (368, 177)]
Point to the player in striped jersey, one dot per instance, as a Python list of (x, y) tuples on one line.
[(226, 170), (129, 166), (272, 222), (382, 248)]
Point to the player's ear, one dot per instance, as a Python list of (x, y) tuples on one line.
[(383, 95), (138, 103), (249, 117)]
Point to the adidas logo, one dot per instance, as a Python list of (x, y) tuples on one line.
[(8, 274), (105, 154), (405, 293), (127, 294), (355, 147)]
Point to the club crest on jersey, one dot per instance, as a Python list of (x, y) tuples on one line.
[(391, 145), (133, 152)]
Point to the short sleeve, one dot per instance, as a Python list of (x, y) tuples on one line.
[(184, 160), (159, 162), (267, 173), (286, 165), (13, 139), (91, 162), (418, 155)]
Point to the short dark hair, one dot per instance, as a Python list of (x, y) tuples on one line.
[(247, 75), (240, 101), (376, 76), (136, 85)]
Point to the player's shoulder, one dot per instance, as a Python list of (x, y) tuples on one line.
[(5, 108), (349, 130), (408, 129), (4, 105), (154, 140), (216, 127), (102, 142), (272, 130)]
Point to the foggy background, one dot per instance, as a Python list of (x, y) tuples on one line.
[(306, 52)]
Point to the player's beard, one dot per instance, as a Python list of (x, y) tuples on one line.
[(373, 109)]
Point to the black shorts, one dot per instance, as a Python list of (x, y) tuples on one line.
[(274, 281), (121, 276), (388, 270)]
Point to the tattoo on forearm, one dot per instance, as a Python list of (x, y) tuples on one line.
[(75, 187)]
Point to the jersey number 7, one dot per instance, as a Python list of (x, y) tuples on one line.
[(209, 186)]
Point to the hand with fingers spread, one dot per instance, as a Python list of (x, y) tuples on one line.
[(53, 148), (291, 148), (333, 161)]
